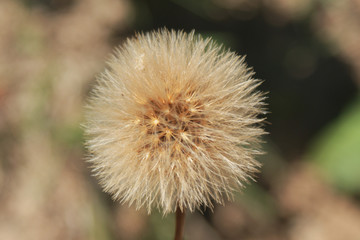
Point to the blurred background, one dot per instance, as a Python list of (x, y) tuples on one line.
[(308, 53)]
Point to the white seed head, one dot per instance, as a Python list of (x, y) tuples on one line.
[(174, 121)]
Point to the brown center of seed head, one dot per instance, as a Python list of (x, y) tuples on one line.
[(172, 123)]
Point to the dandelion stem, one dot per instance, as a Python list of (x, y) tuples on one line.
[(179, 227)]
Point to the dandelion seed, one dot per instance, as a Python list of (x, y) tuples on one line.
[(173, 123)]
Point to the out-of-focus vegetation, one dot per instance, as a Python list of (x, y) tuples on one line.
[(337, 150), (307, 52)]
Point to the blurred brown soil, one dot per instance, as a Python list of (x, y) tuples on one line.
[(46, 64), (316, 210)]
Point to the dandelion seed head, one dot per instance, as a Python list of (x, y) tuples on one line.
[(174, 121)]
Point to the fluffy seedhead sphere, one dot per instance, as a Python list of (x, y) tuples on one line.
[(174, 122)]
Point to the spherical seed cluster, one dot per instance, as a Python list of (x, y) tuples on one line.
[(173, 122)]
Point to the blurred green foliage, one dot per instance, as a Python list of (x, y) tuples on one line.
[(161, 227), (337, 150)]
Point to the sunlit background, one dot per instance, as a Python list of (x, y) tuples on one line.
[(308, 53)]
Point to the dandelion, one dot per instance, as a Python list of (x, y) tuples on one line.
[(173, 123)]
